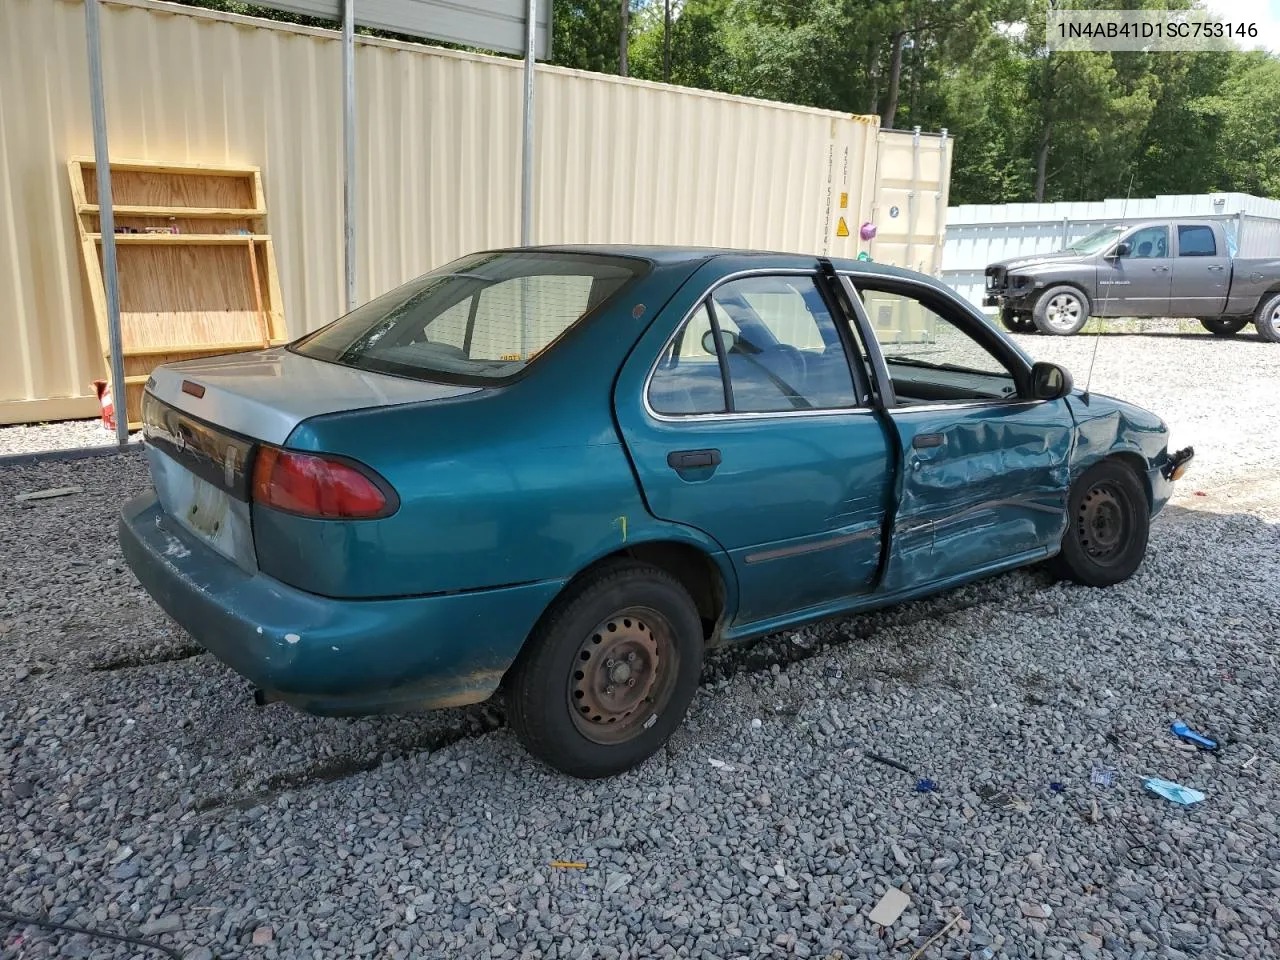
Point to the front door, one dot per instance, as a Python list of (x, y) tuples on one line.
[(1137, 284), (984, 470), (750, 424), (1201, 273)]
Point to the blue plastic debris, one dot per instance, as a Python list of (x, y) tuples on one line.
[(1184, 732), (1173, 791), (1056, 787), (925, 786), (1102, 776)]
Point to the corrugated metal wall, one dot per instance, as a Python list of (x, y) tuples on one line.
[(439, 152), (979, 234)]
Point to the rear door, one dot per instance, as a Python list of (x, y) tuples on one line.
[(747, 421), (984, 470), (1201, 272), (1137, 284)]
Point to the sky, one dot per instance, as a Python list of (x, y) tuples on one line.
[(1265, 13)]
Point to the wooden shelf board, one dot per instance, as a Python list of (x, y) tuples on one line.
[(232, 347), (179, 213), (197, 239), (150, 166)]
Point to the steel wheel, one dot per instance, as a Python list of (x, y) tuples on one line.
[(1102, 523), (609, 672), (1109, 518), (623, 675)]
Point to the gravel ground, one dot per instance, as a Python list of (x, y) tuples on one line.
[(62, 435), (142, 793)]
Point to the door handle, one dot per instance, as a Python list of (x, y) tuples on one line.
[(1219, 267), (692, 459), (1160, 269), (923, 441)]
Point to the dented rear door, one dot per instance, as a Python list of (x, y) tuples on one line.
[(981, 484)]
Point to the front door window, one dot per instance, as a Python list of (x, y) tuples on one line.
[(931, 358), (1149, 243)]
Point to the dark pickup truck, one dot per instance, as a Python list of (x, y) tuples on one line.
[(1159, 268)]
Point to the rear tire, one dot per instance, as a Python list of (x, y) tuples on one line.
[(1016, 322), (1224, 326), (1267, 319), (1108, 522), (1061, 311), (607, 676)]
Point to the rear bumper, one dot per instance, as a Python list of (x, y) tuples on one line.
[(330, 656)]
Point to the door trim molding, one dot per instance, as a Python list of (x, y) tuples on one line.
[(839, 540)]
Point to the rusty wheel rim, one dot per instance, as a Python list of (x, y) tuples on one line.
[(1102, 523), (622, 675)]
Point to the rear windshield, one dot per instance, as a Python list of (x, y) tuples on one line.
[(485, 316)]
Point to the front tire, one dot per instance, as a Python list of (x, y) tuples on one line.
[(1267, 319), (1109, 520), (1224, 326), (1061, 311), (609, 673)]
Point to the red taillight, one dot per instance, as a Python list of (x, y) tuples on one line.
[(314, 485)]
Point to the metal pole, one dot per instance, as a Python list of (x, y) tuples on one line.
[(349, 148), (106, 220), (939, 211), (911, 198), (526, 158)]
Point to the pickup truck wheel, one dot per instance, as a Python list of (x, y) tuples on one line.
[(1016, 322), (609, 673), (1224, 326), (1267, 320), (1108, 524), (1061, 311)]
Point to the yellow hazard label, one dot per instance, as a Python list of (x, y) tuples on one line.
[(844, 201), (842, 228)]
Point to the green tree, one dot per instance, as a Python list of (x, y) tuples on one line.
[(584, 34), (1246, 110)]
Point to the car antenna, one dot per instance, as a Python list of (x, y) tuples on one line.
[(1097, 333)]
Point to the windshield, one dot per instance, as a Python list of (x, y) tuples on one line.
[(483, 316), (1095, 241)]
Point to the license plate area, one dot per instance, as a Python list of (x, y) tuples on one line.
[(201, 476), (209, 514)]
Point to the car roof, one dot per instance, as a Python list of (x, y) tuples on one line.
[(674, 255)]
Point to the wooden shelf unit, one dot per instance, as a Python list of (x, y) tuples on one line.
[(212, 287)]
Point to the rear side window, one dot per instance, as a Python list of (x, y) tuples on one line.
[(482, 317), (1196, 241), (778, 344)]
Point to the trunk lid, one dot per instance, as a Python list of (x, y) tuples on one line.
[(265, 394)]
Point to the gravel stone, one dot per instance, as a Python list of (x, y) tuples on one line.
[(140, 786)]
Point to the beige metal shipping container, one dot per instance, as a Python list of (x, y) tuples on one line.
[(438, 169)]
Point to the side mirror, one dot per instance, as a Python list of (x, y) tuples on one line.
[(1123, 249), (728, 340), (1050, 381)]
